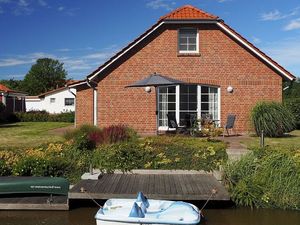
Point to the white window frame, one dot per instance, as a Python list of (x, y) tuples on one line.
[(197, 41), (177, 110)]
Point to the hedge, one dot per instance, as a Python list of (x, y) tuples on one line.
[(43, 116)]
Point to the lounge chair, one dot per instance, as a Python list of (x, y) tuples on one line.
[(172, 123), (229, 124)]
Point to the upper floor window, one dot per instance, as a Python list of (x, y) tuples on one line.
[(69, 101), (52, 100), (188, 40)]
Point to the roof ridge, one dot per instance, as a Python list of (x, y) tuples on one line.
[(176, 11)]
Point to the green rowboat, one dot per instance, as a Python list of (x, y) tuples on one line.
[(34, 185)]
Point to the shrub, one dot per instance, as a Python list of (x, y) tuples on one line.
[(80, 137), (294, 105), (43, 116), (161, 153), (273, 118), (260, 177), (88, 137), (5, 170), (2, 107), (121, 156)]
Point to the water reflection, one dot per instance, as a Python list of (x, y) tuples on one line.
[(85, 216)]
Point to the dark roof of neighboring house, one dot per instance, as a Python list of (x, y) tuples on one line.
[(190, 13), (51, 92)]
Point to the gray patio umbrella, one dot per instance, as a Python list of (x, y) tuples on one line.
[(156, 80)]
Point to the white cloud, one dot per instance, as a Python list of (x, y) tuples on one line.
[(76, 61), (256, 40), (293, 25), (99, 55), (222, 1), (23, 7), (60, 8), (13, 62), (286, 52), (42, 3), (63, 50), (277, 15), (161, 4), (5, 1)]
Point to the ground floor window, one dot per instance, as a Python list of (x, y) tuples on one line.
[(186, 101)]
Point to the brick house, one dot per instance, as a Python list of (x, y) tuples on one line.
[(226, 74)]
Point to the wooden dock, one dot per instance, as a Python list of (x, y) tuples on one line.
[(169, 186), (34, 203)]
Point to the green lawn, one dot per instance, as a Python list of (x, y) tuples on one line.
[(29, 134), (293, 139)]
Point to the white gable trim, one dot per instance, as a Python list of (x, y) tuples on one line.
[(255, 51), (137, 42)]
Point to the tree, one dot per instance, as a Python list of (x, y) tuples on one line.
[(45, 75), (13, 84), (293, 90)]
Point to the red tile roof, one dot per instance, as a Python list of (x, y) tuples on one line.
[(4, 88), (187, 12)]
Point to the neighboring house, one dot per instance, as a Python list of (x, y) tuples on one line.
[(226, 74), (55, 101), (14, 101)]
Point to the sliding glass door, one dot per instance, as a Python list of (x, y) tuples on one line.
[(185, 101)]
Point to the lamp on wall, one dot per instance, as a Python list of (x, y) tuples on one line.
[(229, 89), (148, 89)]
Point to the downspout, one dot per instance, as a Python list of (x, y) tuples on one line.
[(94, 100)]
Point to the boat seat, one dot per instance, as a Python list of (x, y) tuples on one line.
[(136, 211), (142, 198)]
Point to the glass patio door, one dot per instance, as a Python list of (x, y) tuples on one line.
[(186, 101), (166, 104)]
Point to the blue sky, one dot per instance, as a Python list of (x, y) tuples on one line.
[(84, 33)]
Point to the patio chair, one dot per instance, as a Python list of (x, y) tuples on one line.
[(172, 123), (229, 124)]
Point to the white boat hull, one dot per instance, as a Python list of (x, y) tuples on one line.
[(158, 212)]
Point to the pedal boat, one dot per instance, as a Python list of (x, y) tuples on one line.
[(147, 211)]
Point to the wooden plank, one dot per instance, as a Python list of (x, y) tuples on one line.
[(116, 183), (177, 186)]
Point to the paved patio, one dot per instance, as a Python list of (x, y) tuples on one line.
[(235, 149)]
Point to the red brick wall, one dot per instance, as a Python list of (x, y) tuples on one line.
[(222, 62), (84, 106)]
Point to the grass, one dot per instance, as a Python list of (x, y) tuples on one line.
[(29, 134), (291, 139)]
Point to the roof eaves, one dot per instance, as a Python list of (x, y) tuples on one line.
[(51, 92), (78, 83)]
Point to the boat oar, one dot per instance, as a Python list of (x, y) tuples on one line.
[(213, 192), (82, 190)]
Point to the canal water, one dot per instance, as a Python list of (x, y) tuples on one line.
[(85, 216)]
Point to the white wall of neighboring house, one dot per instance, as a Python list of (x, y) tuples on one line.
[(54, 102)]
